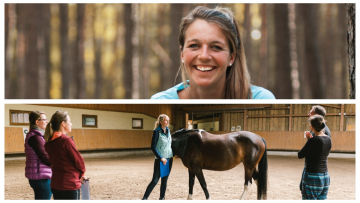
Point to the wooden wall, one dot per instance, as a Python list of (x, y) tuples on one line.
[(153, 110), (97, 139), (87, 139), (282, 125), (273, 117), (342, 141)]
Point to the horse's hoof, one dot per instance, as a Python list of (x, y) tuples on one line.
[(189, 197)]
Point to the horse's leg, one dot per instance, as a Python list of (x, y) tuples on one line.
[(255, 176), (191, 184), (200, 176), (248, 175)]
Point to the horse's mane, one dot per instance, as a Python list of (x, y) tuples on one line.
[(184, 130)]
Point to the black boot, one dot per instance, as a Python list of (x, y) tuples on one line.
[(162, 198), (144, 198)]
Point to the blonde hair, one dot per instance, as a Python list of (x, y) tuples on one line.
[(237, 85), (54, 124), (160, 119)]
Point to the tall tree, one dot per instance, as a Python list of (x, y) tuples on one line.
[(282, 38), (98, 41), (164, 81), (31, 77), (262, 78), (79, 70), (44, 51), (136, 55), (342, 47), (248, 39), (10, 30), (329, 51), (315, 76), (145, 66), (176, 14), (351, 48), (65, 66), (127, 68)]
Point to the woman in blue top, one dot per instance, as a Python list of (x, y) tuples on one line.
[(213, 58), (161, 146)]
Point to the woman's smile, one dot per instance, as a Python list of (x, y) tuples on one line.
[(204, 68)]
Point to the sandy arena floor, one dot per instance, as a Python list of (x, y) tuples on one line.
[(127, 177)]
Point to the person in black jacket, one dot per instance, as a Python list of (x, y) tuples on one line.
[(161, 147), (316, 180)]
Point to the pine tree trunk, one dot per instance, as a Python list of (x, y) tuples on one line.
[(282, 39), (79, 70), (351, 48), (65, 69), (176, 14), (127, 68)]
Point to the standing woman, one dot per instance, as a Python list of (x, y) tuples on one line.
[(66, 161), (37, 168), (213, 59), (316, 179), (161, 146)]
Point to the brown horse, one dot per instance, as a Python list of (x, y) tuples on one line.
[(200, 150)]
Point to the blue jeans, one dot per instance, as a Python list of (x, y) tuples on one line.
[(66, 194), (41, 188)]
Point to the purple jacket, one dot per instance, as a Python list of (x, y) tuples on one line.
[(35, 169)]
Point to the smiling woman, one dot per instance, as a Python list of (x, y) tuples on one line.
[(213, 59)]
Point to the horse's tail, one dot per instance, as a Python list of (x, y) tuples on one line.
[(262, 178)]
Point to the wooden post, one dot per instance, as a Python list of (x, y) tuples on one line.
[(222, 121), (342, 118), (290, 117), (186, 120), (245, 119)]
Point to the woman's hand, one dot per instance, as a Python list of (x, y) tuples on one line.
[(308, 135), (82, 179), (164, 161)]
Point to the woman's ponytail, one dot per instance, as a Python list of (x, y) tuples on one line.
[(48, 132), (160, 119)]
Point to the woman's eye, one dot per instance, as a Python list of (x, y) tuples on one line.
[(217, 47)]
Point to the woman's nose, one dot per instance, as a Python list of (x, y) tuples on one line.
[(204, 53)]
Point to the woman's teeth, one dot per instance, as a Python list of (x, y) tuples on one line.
[(204, 68)]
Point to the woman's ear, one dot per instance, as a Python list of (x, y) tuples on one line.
[(181, 54), (232, 58)]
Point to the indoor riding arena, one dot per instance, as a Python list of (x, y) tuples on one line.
[(115, 139)]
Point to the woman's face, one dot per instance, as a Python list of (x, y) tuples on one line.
[(42, 121), (165, 122), (67, 125), (206, 53)]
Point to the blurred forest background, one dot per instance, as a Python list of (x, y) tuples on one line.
[(124, 51)]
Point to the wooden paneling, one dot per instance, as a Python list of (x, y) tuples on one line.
[(87, 139), (153, 110), (342, 141), (14, 140), (97, 139)]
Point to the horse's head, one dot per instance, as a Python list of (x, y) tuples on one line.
[(180, 140)]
